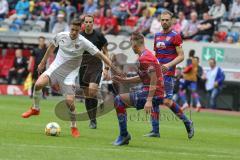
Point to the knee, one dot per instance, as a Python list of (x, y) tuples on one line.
[(167, 102), (92, 93), (38, 86), (70, 103)]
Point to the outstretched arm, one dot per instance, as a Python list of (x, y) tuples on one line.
[(42, 64), (108, 62)]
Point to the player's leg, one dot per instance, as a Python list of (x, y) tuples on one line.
[(121, 102), (41, 82), (90, 77), (70, 101), (91, 103), (155, 118), (168, 84)]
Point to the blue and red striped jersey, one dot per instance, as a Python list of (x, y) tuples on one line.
[(147, 63), (165, 48)]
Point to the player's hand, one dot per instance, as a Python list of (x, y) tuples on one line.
[(215, 84), (41, 67), (118, 79), (165, 68), (148, 107), (106, 75), (117, 72)]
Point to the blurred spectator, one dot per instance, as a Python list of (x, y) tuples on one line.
[(22, 10), (200, 81), (190, 81), (48, 16), (144, 23), (155, 26), (89, 7), (110, 24), (188, 7), (3, 9), (201, 7), (205, 29), (103, 6), (12, 4), (217, 10), (191, 28), (120, 11), (61, 24), (35, 59), (235, 11), (133, 7), (98, 20), (230, 40), (215, 77), (176, 25), (182, 21), (19, 69), (176, 6), (70, 10)]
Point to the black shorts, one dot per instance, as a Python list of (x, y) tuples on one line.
[(89, 74)]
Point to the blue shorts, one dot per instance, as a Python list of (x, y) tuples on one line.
[(139, 97), (191, 85), (168, 86)]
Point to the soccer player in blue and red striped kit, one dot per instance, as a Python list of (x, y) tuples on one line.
[(149, 97), (169, 52)]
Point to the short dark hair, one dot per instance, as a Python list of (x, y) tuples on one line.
[(88, 15), (76, 22), (212, 59), (192, 53), (197, 58), (137, 37), (167, 12), (41, 37)]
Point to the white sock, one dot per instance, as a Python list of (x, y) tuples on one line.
[(73, 124), (36, 98)]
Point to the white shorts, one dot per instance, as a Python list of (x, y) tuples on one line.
[(64, 75)]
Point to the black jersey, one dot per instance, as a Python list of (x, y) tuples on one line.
[(99, 41)]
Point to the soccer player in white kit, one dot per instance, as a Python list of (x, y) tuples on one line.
[(64, 69)]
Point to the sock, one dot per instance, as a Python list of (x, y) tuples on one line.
[(155, 119), (122, 115), (178, 112), (91, 106), (36, 98), (73, 124)]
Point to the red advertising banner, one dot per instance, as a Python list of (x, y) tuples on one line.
[(13, 90)]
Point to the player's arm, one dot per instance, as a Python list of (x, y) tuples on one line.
[(106, 67), (42, 64), (152, 90), (135, 79), (177, 60), (108, 62), (177, 41)]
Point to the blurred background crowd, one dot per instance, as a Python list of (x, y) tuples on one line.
[(197, 20)]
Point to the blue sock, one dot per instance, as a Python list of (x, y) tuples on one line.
[(155, 119), (122, 115), (178, 112)]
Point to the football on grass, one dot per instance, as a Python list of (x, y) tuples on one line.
[(52, 129)]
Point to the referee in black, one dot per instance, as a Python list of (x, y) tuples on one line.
[(91, 69)]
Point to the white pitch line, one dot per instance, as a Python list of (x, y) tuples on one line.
[(219, 155)]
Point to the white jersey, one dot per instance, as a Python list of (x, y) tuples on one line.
[(68, 59)]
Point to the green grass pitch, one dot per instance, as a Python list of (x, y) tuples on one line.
[(216, 136)]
